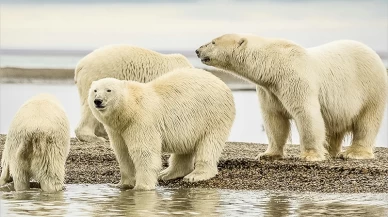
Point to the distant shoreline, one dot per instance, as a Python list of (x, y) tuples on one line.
[(15, 75), (82, 52)]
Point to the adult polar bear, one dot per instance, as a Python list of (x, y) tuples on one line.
[(329, 90), (186, 112), (123, 62), (37, 145)]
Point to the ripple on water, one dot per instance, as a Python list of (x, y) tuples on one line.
[(102, 200)]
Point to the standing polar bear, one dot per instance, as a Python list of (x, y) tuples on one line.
[(37, 145), (186, 112), (123, 62), (329, 90)]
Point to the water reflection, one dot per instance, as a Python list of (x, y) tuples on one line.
[(34, 203), (129, 203), (101, 200), (201, 202), (278, 205), (340, 209)]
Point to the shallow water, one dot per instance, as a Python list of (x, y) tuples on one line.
[(102, 200)]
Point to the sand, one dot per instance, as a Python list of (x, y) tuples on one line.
[(95, 163)]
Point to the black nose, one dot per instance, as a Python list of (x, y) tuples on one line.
[(196, 51), (97, 102)]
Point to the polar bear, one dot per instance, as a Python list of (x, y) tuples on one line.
[(187, 112), (123, 62), (37, 145), (329, 91)]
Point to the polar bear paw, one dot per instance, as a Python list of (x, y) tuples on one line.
[(121, 186), (269, 156), (171, 173), (142, 187), (3, 182), (356, 154), (199, 175), (312, 156)]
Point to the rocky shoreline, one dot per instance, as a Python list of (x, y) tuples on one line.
[(95, 163)]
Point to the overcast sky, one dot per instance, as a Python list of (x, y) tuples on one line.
[(169, 25)]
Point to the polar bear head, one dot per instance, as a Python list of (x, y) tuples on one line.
[(105, 95), (220, 51)]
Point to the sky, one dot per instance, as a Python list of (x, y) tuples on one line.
[(168, 25)]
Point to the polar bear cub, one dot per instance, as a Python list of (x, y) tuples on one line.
[(186, 112), (37, 145), (123, 62), (329, 91)]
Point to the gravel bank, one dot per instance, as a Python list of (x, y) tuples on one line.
[(96, 163)]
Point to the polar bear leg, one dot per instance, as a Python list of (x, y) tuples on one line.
[(365, 131), (276, 124), (179, 165), (334, 143), (49, 170), (144, 147), (5, 175), (311, 127), (127, 169), (147, 164), (206, 158), (21, 178), (87, 126), (100, 131)]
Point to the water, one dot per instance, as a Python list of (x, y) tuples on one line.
[(57, 61), (101, 200), (247, 127)]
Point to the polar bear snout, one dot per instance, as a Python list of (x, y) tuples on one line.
[(200, 55), (198, 52), (98, 103)]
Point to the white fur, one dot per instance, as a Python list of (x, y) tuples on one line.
[(37, 145), (186, 112), (123, 62), (329, 90)]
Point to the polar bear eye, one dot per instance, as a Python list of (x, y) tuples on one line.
[(213, 42), (108, 90), (95, 91)]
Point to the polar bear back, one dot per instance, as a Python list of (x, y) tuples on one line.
[(124, 62), (347, 58), (41, 114)]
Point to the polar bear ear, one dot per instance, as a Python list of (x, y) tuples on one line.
[(242, 42)]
